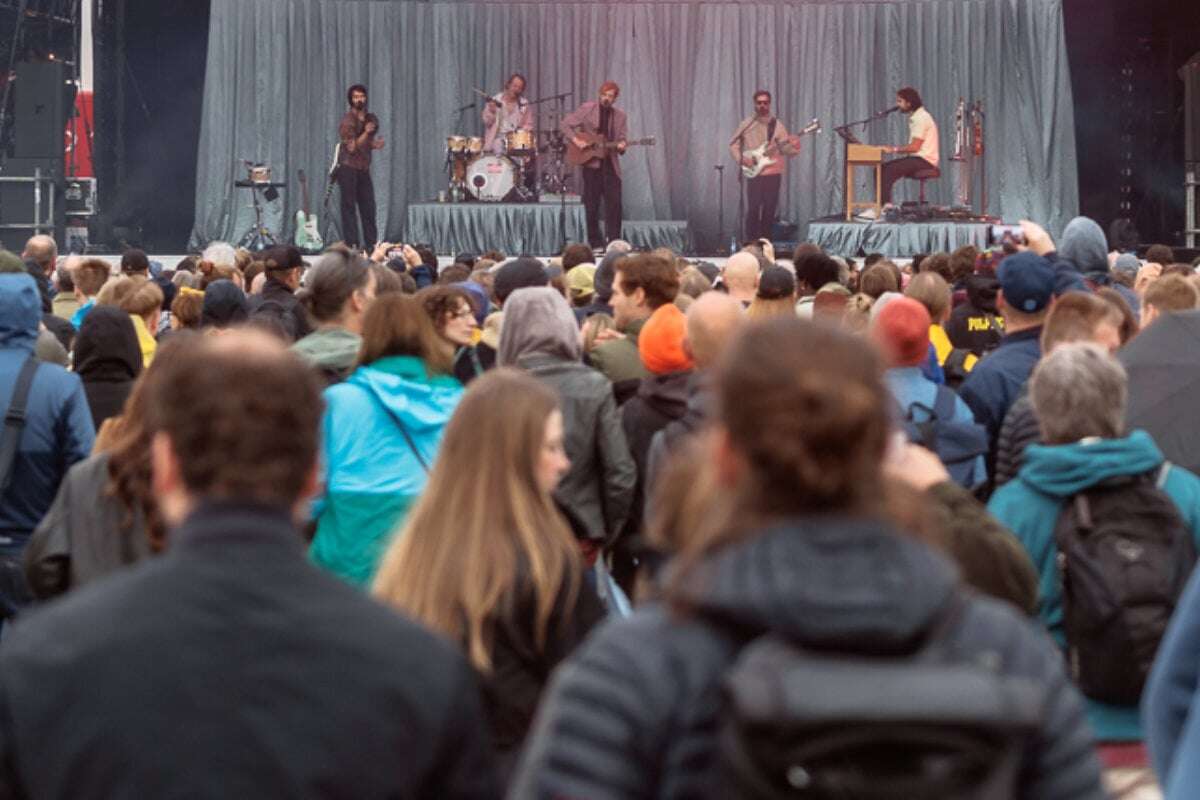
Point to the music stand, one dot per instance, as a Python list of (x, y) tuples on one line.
[(258, 237)]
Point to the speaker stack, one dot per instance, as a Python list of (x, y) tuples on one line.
[(41, 99)]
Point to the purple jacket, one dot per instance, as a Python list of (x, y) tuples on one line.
[(586, 119)]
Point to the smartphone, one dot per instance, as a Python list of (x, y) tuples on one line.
[(1006, 234)]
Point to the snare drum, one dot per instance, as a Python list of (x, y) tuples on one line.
[(491, 178), (520, 143), (475, 146), (456, 145)]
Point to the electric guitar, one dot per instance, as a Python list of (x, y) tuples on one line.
[(763, 155), (597, 146), (308, 236)]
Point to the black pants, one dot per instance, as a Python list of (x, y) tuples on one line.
[(357, 190), (603, 184), (762, 198), (900, 168)]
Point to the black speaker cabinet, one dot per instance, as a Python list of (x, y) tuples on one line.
[(42, 99)]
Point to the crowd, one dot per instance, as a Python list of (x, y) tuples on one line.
[(607, 525)]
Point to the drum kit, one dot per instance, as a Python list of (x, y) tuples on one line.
[(511, 174)]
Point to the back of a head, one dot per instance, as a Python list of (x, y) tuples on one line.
[(653, 273), (331, 282), (106, 348), (538, 320), (280, 259), (520, 273), (941, 264), (693, 282), (901, 328), (1160, 254), (741, 272), (145, 298), (1083, 244), (930, 290), (42, 249), (115, 291), (90, 276), (814, 269), (135, 262), (1171, 293), (224, 305), (575, 254), (877, 280), (711, 323), (220, 253), (962, 262), (242, 416), (805, 406), (1078, 391), (397, 325), (1075, 317)]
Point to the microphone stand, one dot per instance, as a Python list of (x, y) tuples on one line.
[(720, 168), (740, 226)]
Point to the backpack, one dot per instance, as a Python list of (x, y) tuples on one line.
[(957, 444), (1124, 555), (924, 725)]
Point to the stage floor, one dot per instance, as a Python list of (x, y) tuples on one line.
[(895, 239)]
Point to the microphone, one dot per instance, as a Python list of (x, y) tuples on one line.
[(887, 111)]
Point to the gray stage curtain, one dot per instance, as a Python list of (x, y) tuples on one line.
[(278, 70)]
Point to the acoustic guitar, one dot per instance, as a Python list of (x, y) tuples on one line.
[(597, 146)]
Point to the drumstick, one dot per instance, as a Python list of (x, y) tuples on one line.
[(484, 95)]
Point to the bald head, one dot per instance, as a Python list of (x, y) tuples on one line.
[(741, 275), (43, 250), (711, 321)]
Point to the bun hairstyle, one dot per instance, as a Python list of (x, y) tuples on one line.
[(330, 283)]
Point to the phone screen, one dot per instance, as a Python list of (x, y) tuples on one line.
[(1001, 234)]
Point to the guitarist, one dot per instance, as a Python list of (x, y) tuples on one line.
[(601, 175), (762, 191)]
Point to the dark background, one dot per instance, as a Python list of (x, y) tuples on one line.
[(1124, 57)]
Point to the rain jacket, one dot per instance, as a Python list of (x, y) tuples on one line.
[(332, 351), (372, 476), (1029, 506), (58, 424)]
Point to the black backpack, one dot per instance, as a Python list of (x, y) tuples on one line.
[(957, 444), (1124, 555), (932, 724)]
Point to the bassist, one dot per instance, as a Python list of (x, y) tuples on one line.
[(762, 191), (601, 175)]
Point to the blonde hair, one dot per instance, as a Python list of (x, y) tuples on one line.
[(470, 545)]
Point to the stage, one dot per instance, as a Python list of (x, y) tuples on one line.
[(899, 239)]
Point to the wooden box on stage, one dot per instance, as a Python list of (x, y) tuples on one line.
[(863, 155)]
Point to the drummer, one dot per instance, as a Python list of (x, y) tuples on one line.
[(506, 112)]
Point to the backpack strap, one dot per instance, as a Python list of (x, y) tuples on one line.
[(943, 403), (14, 421), (407, 438)]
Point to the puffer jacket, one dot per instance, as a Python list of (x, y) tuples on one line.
[(634, 713), (58, 423), (372, 476), (599, 485), (1020, 429)]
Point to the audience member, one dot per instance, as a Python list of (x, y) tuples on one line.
[(518, 274), (540, 336), (338, 291), (490, 563), (932, 291), (814, 272), (281, 678), (224, 305), (282, 265), (65, 302), (740, 277), (55, 431), (90, 276), (142, 301), (1168, 294), (108, 359), (807, 527), (380, 434), (451, 310), (187, 310), (775, 295), (877, 280), (1079, 395)]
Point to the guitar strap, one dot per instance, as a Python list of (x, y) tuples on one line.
[(771, 130)]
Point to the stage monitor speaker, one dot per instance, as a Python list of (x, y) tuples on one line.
[(17, 201), (41, 100)]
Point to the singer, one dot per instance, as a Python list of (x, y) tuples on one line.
[(357, 135), (762, 136), (921, 152)]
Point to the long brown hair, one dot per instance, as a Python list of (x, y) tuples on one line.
[(397, 325), (483, 528)]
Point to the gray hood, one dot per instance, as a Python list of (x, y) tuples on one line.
[(538, 320), (1084, 245)]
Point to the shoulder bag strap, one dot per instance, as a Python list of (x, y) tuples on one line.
[(408, 438), (14, 421)]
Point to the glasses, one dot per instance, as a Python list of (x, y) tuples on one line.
[(464, 314)]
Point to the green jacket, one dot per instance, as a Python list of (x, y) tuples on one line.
[(618, 359)]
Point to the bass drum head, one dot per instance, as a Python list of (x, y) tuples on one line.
[(491, 178)]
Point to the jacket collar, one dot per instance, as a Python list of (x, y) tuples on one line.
[(1021, 336), (234, 522)]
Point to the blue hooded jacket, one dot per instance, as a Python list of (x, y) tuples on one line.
[(1029, 506), (372, 476), (58, 423)]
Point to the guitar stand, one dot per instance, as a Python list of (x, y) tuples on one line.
[(258, 236)]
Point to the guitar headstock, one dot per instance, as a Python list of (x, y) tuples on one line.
[(812, 127)]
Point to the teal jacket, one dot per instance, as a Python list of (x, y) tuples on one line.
[(371, 475), (1029, 507)]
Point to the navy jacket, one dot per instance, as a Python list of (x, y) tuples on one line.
[(995, 383), (231, 667), (633, 714), (58, 422)]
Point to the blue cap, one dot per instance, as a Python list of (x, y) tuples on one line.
[(1027, 281)]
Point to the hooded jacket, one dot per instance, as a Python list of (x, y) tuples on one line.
[(660, 400), (634, 713), (1085, 247), (372, 477), (107, 359), (58, 424), (1029, 506), (332, 351), (539, 336)]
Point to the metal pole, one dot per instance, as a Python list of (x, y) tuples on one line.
[(37, 200)]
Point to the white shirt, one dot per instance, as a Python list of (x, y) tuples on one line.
[(921, 126)]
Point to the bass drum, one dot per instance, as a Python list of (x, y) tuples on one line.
[(491, 178)]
